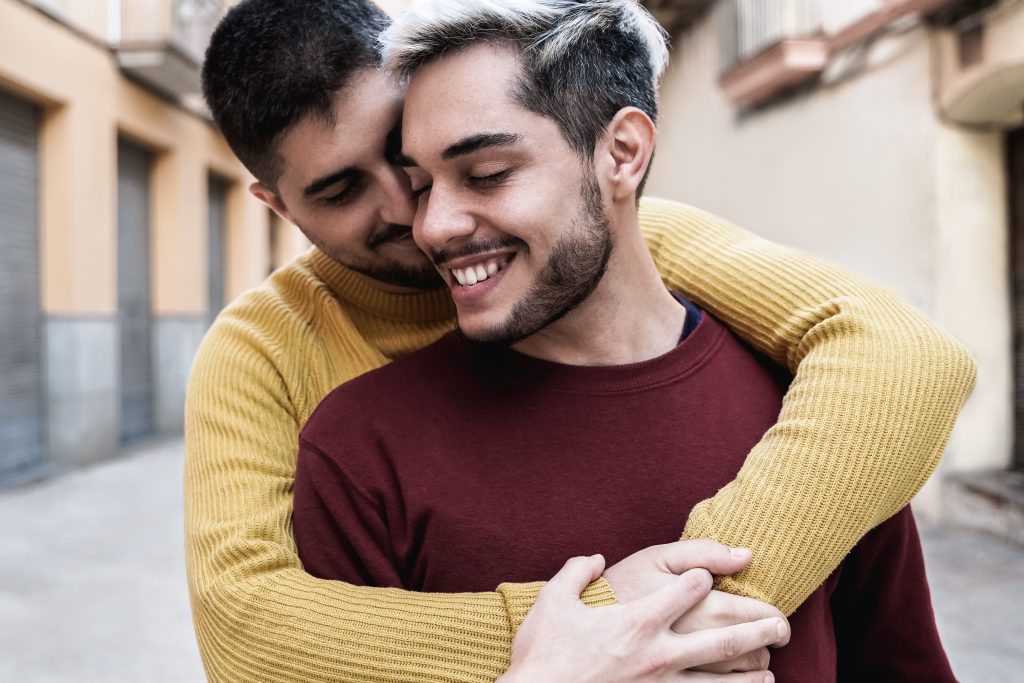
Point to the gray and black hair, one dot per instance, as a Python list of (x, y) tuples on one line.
[(581, 60)]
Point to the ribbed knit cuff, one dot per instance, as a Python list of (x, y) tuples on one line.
[(519, 598), (701, 525)]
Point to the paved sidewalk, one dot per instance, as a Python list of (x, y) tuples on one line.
[(92, 576), (92, 582)]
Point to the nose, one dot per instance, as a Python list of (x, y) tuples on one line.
[(442, 217), (397, 205)]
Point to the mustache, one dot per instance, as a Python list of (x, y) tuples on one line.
[(478, 247), (387, 234)]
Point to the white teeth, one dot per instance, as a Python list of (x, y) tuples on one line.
[(471, 275)]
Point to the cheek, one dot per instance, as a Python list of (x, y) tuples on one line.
[(347, 228)]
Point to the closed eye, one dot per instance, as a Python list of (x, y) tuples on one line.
[(347, 193), (490, 180)]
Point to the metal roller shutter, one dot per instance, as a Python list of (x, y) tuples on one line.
[(133, 171), (21, 364), (218, 194), (1015, 182)]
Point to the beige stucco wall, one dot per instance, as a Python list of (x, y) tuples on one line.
[(862, 172), (845, 172), (88, 104)]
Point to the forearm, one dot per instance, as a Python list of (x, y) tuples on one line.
[(262, 618), (258, 615), (876, 391)]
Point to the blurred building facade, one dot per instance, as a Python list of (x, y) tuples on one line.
[(125, 224), (885, 135)]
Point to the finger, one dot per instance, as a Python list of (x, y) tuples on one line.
[(665, 605), (756, 660), (574, 577), (699, 677), (701, 648), (716, 558), (728, 609)]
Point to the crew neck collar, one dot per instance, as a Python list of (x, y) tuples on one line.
[(684, 358)]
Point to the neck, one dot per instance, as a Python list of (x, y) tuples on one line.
[(630, 317)]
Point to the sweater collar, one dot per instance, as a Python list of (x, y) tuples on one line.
[(357, 290)]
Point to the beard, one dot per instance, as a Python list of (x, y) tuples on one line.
[(415, 274), (570, 275)]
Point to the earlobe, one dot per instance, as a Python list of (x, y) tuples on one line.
[(631, 136)]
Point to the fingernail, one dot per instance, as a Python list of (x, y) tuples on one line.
[(780, 629), (740, 552), (769, 678)]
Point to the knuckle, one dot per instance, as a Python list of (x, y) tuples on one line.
[(759, 610), (729, 647), (758, 660), (705, 545), (698, 580), (656, 662)]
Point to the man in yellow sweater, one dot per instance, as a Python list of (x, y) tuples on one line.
[(294, 87)]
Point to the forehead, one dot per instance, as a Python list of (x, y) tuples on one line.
[(363, 113), (457, 95)]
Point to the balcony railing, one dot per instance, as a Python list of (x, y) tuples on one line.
[(749, 27), (162, 42), (768, 47)]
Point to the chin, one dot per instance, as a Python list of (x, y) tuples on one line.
[(481, 333)]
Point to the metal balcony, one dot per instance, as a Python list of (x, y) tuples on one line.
[(768, 46), (162, 42)]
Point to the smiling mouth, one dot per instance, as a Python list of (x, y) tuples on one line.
[(475, 273)]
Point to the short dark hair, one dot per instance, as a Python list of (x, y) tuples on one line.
[(272, 63), (582, 60)]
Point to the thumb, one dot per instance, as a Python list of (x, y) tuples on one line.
[(718, 559), (574, 577)]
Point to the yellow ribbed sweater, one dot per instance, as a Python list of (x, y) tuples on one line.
[(876, 391)]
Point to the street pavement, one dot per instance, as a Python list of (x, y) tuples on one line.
[(92, 582)]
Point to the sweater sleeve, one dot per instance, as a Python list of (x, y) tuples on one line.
[(258, 616), (876, 391)]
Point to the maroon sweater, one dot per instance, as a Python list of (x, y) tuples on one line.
[(455, 469)]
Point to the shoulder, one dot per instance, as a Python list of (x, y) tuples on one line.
[(664, 214), (283, 311), (265, 331)]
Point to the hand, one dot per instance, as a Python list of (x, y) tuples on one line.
[(647, 570), (562, 640), (720, 609)]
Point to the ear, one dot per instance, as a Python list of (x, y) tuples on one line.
[(270, 198), (629, 140)]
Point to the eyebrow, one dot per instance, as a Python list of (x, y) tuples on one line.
[(474, 143), (467, 145), (322, 183)]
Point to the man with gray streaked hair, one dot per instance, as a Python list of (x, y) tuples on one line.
[(565, 75), (528, 134)]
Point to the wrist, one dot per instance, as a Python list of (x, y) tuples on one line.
[(521, 675)]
